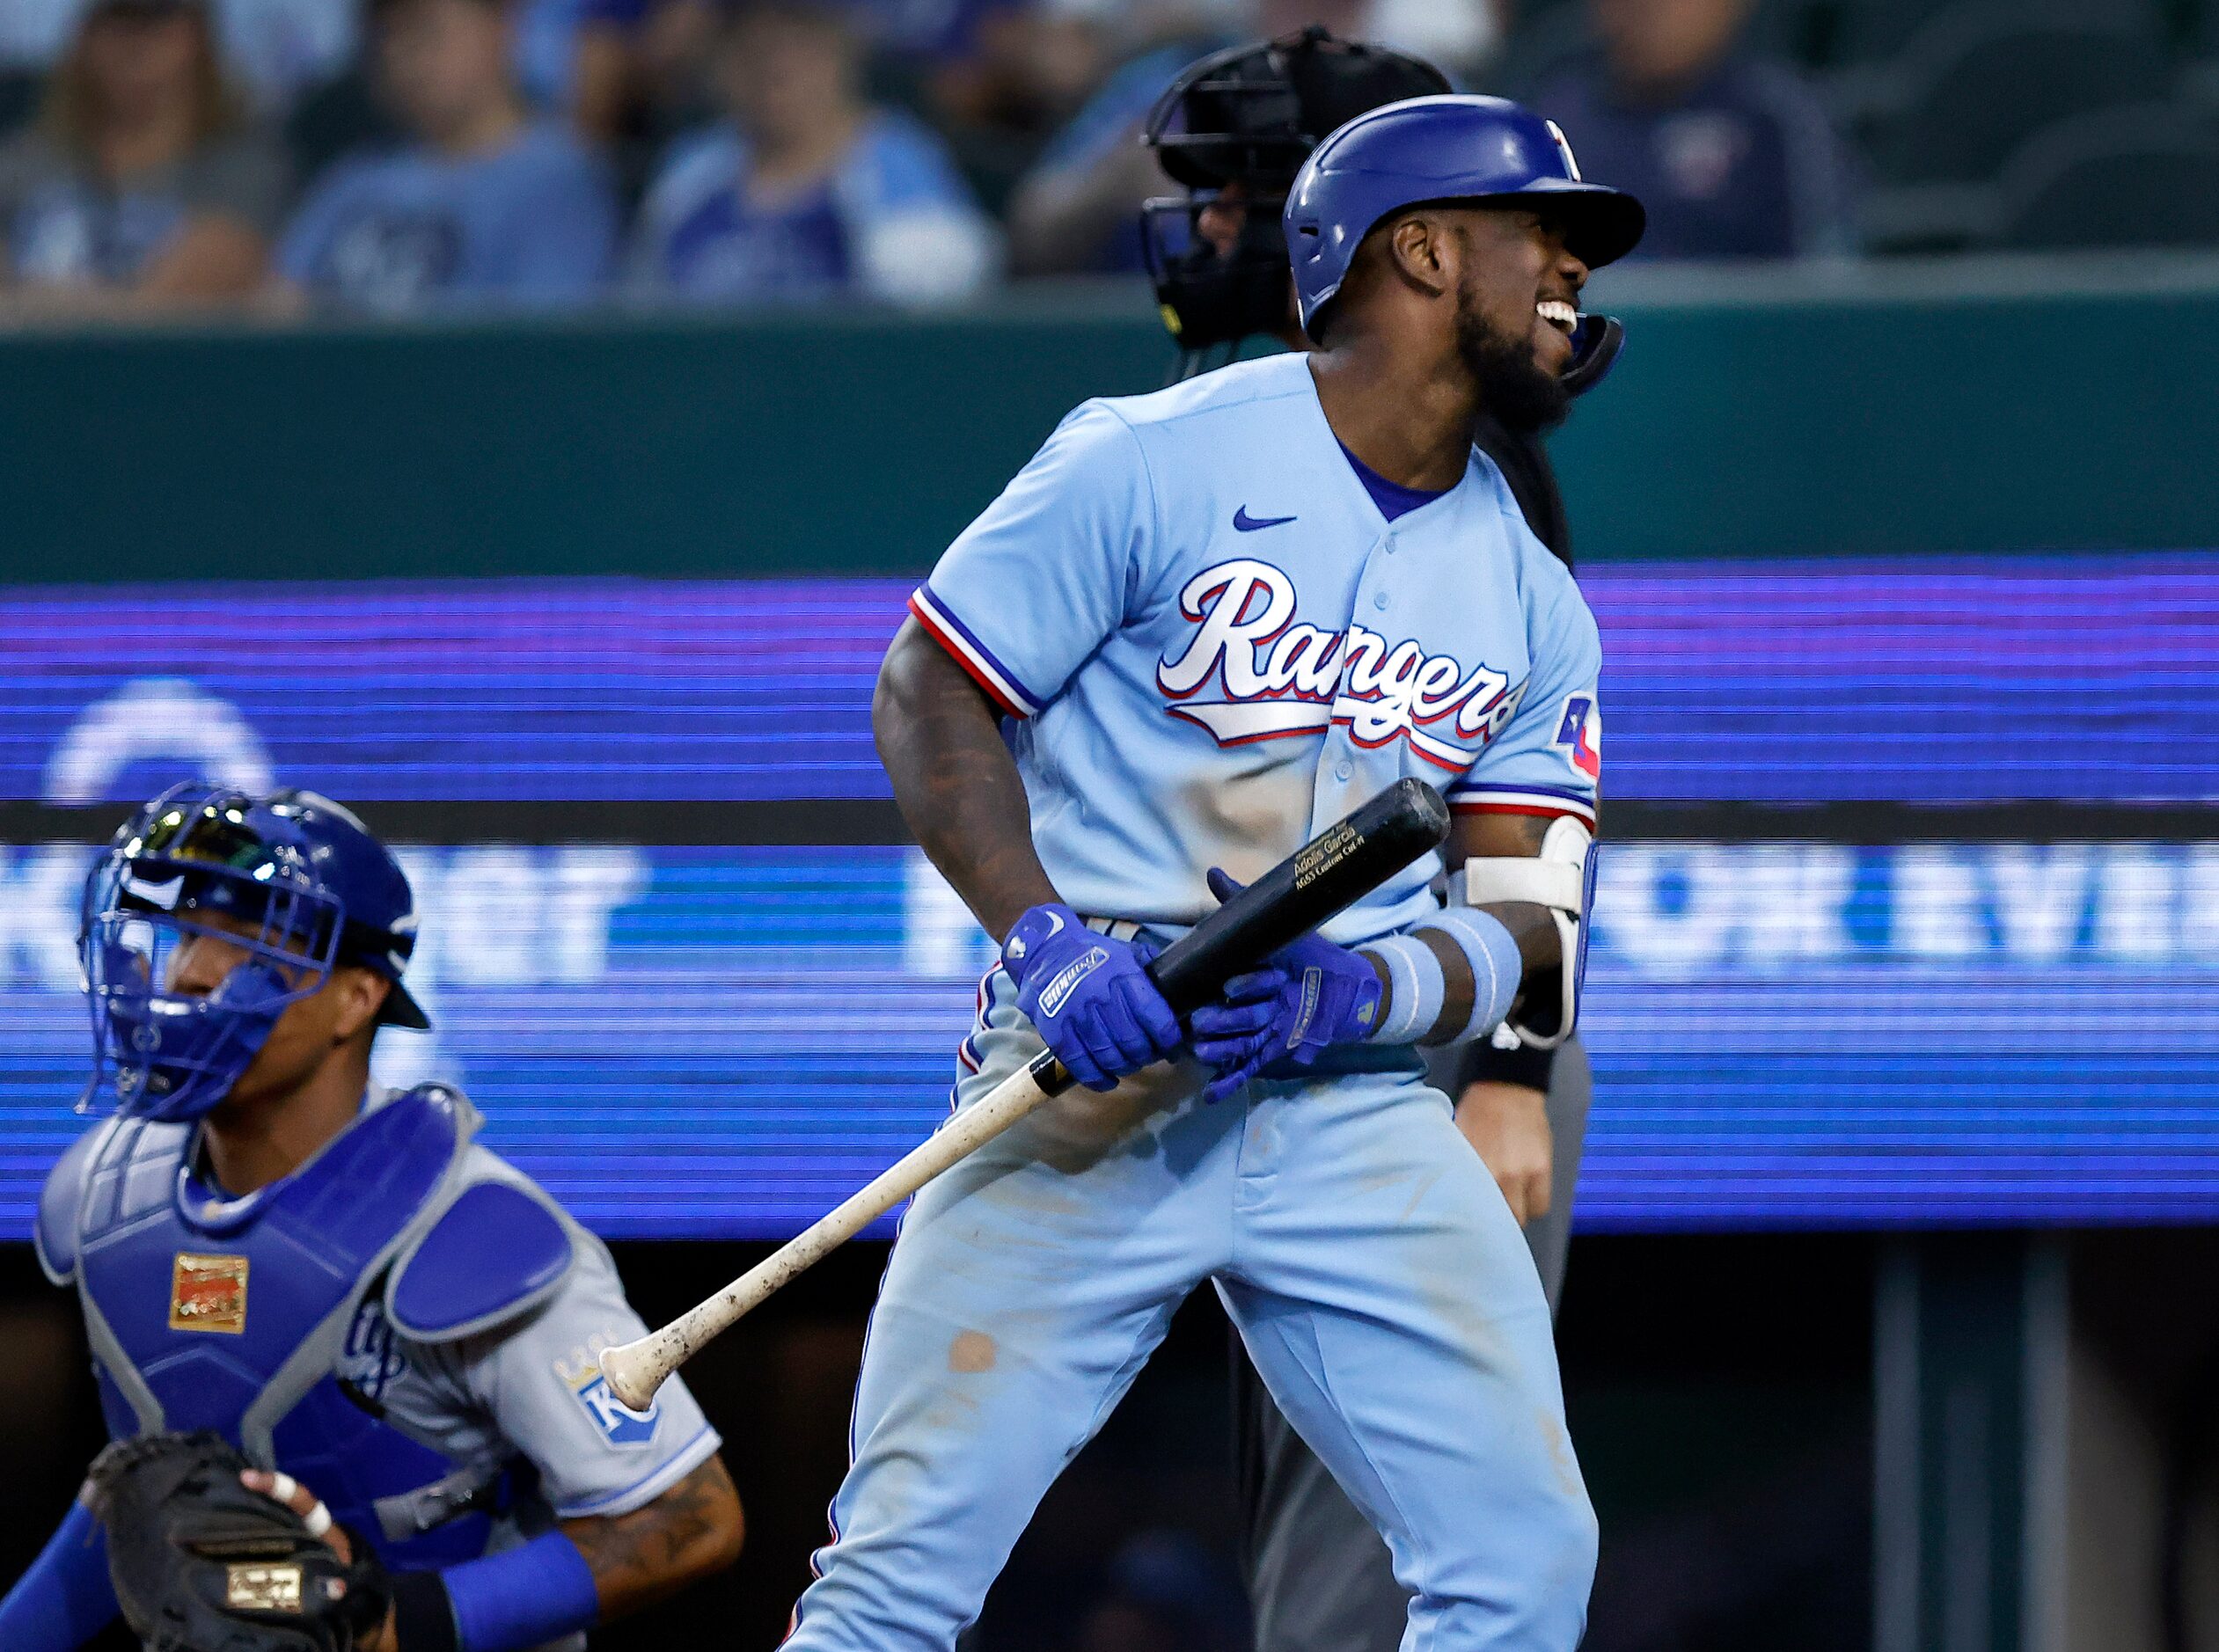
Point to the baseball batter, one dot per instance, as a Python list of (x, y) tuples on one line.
[(399, 1329), (1233, 129), (1212, 620)]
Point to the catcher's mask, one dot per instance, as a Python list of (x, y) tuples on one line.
[(210, 913)]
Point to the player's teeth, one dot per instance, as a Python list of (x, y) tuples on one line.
[(1558, 313)]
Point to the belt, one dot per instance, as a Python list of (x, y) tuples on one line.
[(1338, 1059), (1125, 929)]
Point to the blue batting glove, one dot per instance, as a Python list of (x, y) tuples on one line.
[(1089, 997), (1308, 995)]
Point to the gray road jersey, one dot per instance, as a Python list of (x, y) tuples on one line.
[(532, 1388)]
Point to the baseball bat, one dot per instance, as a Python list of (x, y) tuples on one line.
[(1339, 865)]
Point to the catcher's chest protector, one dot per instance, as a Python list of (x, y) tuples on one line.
[(231, 1315)]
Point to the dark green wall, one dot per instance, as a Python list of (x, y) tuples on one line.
[(1795, 425), (2018, 424)]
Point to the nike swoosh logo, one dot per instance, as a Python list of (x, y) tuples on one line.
[(1242, 523)]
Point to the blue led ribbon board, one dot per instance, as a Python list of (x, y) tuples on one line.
[(684, 1039)]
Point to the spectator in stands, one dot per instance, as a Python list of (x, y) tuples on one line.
[(645, 75), (585, 57), (280, 48), (628, 73), (483, 206), (1461, 37), (142, 188), (807, 191), (607, 67), (273, 48), (997, 78), (1730, 151), (1079, 209), (543, 44), (35, 33)]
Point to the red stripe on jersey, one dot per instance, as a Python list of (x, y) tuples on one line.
[(1567, 811), (956, 653)]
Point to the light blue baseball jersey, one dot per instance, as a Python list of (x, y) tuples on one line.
[(1215, 646), (1214, 643)]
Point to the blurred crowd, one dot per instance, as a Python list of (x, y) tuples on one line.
[(391, 157)]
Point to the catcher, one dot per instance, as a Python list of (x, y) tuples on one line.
[(350, 1359)]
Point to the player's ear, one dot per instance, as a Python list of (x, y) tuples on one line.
[(1419, 246), (362, 994)]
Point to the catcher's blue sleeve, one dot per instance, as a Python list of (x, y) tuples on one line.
[(65, 1599)]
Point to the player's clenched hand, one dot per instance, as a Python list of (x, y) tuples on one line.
[(1508, 1125), (1089, 996), (285, 1490), (1308, 995)]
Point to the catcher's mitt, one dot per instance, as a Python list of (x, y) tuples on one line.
[(202, 1564)]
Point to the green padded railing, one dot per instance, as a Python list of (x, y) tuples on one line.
[(1972, 409)]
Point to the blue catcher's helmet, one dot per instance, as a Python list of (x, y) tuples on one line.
[(1447, 148), (292, 885)]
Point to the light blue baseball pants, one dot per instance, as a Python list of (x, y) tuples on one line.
[(1382, 1288)]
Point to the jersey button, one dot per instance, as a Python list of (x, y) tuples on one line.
[(1380, 601), (1342, 771)]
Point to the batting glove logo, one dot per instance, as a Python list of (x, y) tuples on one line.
[(1058, 991)]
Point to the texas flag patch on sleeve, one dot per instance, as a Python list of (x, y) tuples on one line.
[(1579, 736)]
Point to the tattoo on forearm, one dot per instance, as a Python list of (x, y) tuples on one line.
[(639, 1558), (956, 784), (1529, 829)]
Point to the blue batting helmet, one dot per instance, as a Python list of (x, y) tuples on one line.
[(293, 885), (1447, 148)]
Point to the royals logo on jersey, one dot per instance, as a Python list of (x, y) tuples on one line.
[(370, 1359), (620, 1426), (1579, 736)]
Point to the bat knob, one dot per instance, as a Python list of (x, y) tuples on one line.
[(633, 1371)]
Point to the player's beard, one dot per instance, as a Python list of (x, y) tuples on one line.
[(1514, 387)]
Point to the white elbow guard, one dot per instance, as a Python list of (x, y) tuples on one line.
[(1561, 878)]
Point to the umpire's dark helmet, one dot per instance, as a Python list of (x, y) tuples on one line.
[(1245, 119)]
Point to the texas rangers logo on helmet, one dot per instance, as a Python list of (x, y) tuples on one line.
[(1579, 735), (1563, 148)]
